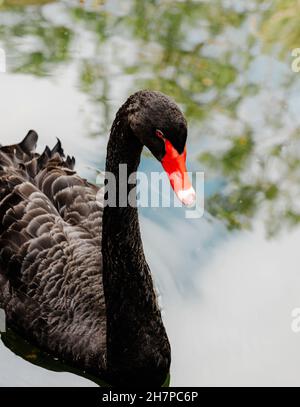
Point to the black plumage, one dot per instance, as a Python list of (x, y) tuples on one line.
[(73, 275)]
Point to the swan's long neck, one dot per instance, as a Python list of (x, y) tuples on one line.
[(137, 345)]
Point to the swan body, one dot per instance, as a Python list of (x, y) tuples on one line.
[(73, 275)]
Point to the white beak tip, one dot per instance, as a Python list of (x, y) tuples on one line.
[(187, 196)]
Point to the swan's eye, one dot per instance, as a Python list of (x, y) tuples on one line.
[(160, 134)]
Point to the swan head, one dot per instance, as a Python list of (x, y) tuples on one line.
[(158, 123)]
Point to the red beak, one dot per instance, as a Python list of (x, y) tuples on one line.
[(175, 166)]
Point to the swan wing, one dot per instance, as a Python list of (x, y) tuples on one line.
[(50, 252)]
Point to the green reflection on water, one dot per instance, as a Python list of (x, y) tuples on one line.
[(185, 49), (34, 355), (282, 24), (15, 3), (200, 53)]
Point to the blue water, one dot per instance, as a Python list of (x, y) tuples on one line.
[(226, 293)]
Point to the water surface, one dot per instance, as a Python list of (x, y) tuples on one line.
[(228, 281)]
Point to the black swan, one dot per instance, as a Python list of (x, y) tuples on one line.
[(73, 275)]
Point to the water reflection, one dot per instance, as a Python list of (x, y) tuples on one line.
[(207, 56), (70, 66), (19, 346)]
